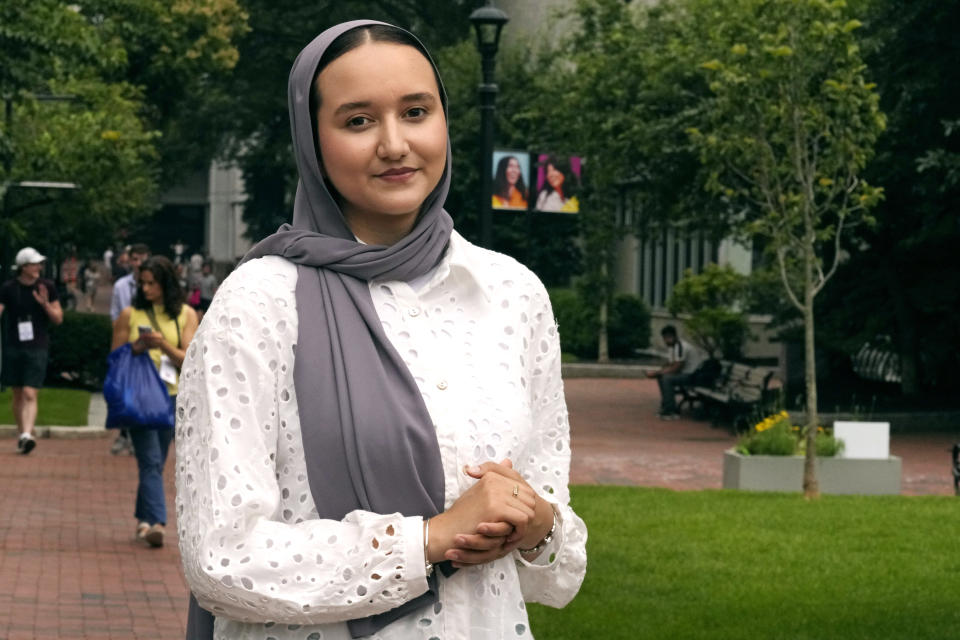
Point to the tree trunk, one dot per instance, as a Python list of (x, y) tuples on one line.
[(603, 345), (811, 488), (603, 350)]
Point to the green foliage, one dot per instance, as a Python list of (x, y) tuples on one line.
[(790, 126), (715, 300), (543, 242), (578, 322), (786, 135), (628, 326), (136, 77), (737, 565), (901, 280), (79, 349)]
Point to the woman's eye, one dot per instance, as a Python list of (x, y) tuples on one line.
[(358, 121), (416, 112)]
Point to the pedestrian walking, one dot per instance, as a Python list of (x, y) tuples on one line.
[(372, 433), (91, 279), (28, 306), (161, 323), (70, 280), (124, 292), (208, 287)]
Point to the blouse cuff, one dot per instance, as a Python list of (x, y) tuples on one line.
[(413, 551), (550, 552)]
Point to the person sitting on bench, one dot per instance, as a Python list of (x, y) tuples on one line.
[(684, 359)]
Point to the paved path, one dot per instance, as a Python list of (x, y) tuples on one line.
[(69, 567)]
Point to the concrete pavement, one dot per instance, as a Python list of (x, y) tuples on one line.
[(70, 568)]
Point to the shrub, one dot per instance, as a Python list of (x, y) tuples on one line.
[(577, 323), (776, 436), (78, 350), (628, 325), (715, 300)]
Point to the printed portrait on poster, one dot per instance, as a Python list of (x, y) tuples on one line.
[(511, 180), (558, 183)]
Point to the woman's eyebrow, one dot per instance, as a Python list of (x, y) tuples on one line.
[(422, 96)]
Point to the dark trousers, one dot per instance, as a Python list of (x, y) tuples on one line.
[(150, 447), (668, 390)]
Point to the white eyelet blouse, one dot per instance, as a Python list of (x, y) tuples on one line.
[(479, 337)]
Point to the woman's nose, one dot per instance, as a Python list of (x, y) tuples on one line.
[(393, 143)]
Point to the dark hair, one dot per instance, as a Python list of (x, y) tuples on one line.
[(139, 248), (669, 330), (500, 185), (166, 276), (352, 39), (562, 164)]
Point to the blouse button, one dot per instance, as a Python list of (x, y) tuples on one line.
[(442, 385), (414, 312)]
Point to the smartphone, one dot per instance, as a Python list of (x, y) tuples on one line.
[(144, 329)]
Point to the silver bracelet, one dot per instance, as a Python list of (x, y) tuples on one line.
[(428, 566), (547, 539)]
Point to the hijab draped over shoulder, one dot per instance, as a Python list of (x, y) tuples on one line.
[(368, 439)]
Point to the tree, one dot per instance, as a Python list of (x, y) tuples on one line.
[(904, 269), (121, 72), (617, 92), (789, 129), (716, 301), (179, 54)]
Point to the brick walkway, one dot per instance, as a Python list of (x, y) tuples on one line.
[(69, 567)]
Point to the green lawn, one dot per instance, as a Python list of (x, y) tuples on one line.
[(58, 407), (727, 564)]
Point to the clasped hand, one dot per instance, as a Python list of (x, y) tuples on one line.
[(498, 514)]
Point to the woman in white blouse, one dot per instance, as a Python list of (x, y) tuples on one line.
[(370, 396)]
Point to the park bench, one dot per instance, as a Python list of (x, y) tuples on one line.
[(739, 393)]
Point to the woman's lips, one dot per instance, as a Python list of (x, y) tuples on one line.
[(397, 175)]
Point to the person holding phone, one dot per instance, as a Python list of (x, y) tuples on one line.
[(372, 438), (162, 324)]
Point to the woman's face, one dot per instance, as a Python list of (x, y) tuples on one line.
[(382, 133), (513, 171), (554, 177), (152, 290)]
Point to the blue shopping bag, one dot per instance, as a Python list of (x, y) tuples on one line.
[(135, 394)]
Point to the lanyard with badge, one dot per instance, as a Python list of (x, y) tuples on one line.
[(168, 371), (24, 322)]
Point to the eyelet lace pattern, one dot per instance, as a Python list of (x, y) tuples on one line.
[(478, 335)]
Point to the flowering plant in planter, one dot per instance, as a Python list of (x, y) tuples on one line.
[(775, 435)]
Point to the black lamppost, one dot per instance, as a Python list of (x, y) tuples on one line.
[(487, 21)]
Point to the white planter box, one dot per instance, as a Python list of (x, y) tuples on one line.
[(861, 476)]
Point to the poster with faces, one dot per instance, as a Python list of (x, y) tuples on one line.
[(511, 180), (558, 179)]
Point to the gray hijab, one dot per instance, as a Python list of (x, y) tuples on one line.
[(368, 439)]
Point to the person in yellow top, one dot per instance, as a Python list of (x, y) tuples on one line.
[(509, 189), (161, 323)]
